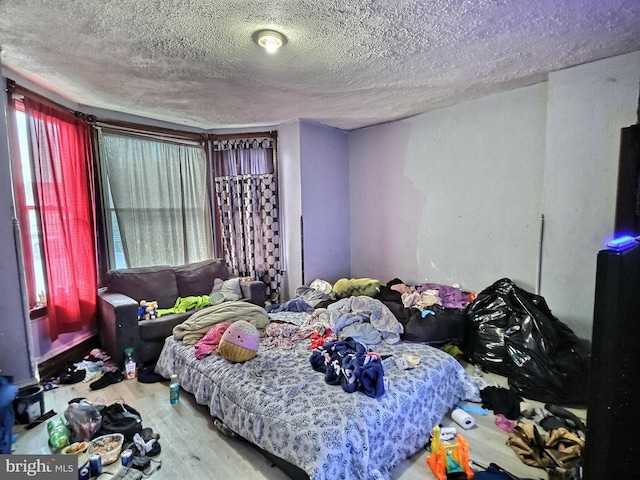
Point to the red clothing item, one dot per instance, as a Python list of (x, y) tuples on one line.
[(318, 340), (209, 343)]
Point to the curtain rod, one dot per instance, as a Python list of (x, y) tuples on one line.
[(240, 136), (13, 87), (145, 130), (149, 135)]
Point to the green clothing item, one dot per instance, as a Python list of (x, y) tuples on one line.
[(187, 303)]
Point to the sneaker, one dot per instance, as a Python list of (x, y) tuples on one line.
[(147, 374), (109, 378), (71, 375), (146, 443)]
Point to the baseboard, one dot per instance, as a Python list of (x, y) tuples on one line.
[(59, 349), (53, 366)]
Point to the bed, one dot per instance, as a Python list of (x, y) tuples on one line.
[(278, 402)]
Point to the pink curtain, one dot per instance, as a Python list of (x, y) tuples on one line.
[(65, 185)]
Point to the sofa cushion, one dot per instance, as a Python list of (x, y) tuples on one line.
[(145, 283), (161, 327), (197, 278)]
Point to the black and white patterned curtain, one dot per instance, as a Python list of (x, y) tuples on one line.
[(246, 190)]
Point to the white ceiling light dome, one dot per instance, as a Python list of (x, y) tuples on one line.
[(270, 40)]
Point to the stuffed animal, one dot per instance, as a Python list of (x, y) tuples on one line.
[(142, 309), (148, 310), (239, 342)]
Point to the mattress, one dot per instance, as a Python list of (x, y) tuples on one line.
[(279, 403)]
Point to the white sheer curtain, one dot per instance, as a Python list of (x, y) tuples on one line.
[(158, 192)]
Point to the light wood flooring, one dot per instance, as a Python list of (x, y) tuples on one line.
[(192, 447)]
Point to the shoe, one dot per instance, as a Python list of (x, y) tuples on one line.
[(148, 433), (222, 428), (141, 458), (145, 443), (71, 375), (147, 374), (109, 378)]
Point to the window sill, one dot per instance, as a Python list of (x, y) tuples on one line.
[(38, 312)]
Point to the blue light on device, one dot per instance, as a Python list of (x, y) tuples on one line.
[(621, 243)]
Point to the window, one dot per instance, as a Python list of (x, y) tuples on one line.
[(157, 208), (31, 227), (52, 173)]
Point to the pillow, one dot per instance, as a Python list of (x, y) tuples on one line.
[(347, 287), (229, 288)]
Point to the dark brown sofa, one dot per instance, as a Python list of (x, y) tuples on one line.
[(118, 324)]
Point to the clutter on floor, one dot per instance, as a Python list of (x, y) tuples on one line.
[(104, 434), (513, 333), (550, 438), (99, 435)]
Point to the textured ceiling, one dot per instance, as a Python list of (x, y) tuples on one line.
[(347, 63)]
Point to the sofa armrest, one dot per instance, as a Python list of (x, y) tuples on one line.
[(117, 324), (254, 291)]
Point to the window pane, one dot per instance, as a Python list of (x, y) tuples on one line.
[(38, 263), (118, 251), (31, 205)]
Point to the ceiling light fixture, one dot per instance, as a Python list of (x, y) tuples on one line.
[(270, 40)]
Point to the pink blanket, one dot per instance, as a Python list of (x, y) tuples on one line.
[(208, 344)]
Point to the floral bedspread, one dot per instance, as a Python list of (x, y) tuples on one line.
[(279, 403)]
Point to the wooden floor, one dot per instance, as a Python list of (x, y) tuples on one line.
[(192, 447)]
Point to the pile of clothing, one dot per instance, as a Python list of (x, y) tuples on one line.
[(350, 364)]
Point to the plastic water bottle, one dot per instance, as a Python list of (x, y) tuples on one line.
[(58, 433), (129, 364), (174, 390)]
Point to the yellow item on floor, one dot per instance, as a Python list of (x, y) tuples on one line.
[(448, 458)]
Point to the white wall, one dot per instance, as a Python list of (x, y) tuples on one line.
[(452, 196), (44, 349), (291, 206), (588, 105), (456, 195)]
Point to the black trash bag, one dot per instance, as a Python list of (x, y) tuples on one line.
[(513, 333)]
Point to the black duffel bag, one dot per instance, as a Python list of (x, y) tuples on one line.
[(513, 333), (120, 418)]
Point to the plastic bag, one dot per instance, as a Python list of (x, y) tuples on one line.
[(513, 333), (83, 419)]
